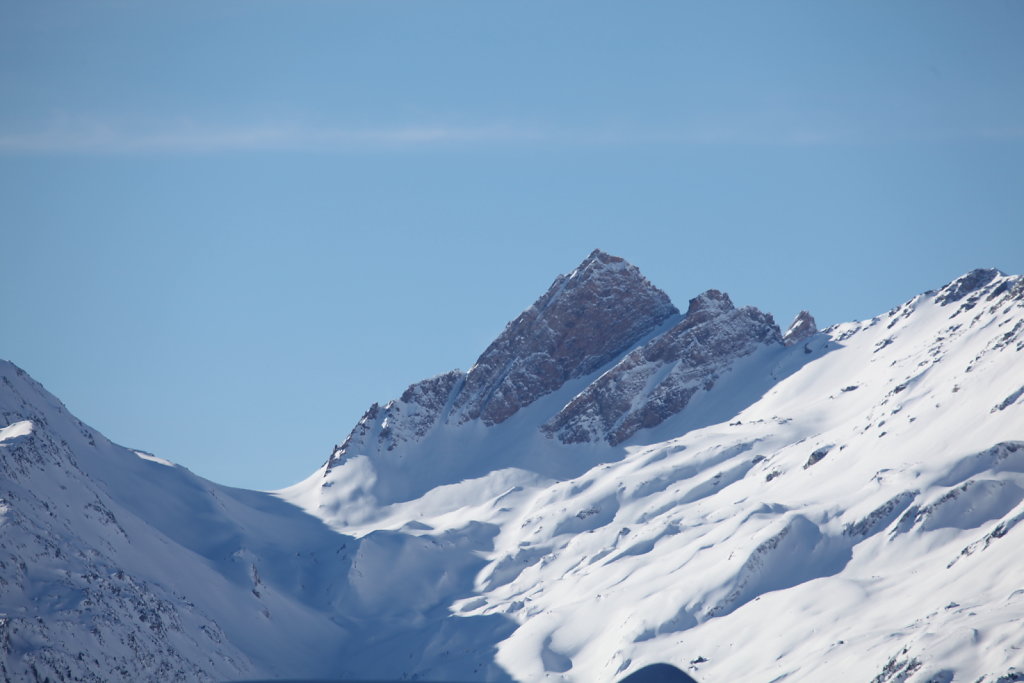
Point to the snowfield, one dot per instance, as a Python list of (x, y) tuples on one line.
[(844, 506)]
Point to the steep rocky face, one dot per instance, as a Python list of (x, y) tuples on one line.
[(981, 291), (585, 320), (803, 326), (658, 380)]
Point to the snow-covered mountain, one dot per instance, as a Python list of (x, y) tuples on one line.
[(611, 484)]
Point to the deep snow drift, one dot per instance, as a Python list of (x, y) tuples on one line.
[(612, 484)]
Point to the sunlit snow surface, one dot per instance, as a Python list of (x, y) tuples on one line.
[(894, 554), (845, 509)]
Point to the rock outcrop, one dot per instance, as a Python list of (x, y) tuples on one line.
[(409, 418), (585, 320), (965, 285), (803, 326), (604, 313), (658, 380)]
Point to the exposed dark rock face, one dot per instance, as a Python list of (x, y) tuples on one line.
[(1012, 287), (803, 326), (594, 316), (966, 284), (585, 320), (984, 290), (817, 456), (658, 380), (1008, 401)]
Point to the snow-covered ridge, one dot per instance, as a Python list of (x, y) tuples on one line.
[(835, 515), (845, 506)]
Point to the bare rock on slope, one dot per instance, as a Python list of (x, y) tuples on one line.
[(966, 284), (584, 321), (658, 380), (803, 326), (409, 418)]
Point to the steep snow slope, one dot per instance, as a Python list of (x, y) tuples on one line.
[(857, 523), (837, 505), (117, 565), (841, 508)]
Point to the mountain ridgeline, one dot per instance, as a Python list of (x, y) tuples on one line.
[(603, 320), (613, 484)]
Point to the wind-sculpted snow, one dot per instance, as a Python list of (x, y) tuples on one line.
[(796, 553), (965, 507), (857, 514), (882, 516), (1003, 457), (845, 507)]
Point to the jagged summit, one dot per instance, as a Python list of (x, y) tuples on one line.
[(802, 327), (967, 283), (711, 302), (602, 314), (598, 259), (659, 379), (605, 314), (584, 321)]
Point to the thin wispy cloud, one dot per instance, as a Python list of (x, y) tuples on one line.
[(106, 139), (197, 139)]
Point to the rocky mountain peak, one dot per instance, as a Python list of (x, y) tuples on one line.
[(598, 258), (965, 284), (711, 302), (802, 327), (585, 320)]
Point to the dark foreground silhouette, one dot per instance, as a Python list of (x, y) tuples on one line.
[(658, 673)]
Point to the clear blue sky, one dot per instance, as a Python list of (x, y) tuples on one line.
[(228, 227)]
